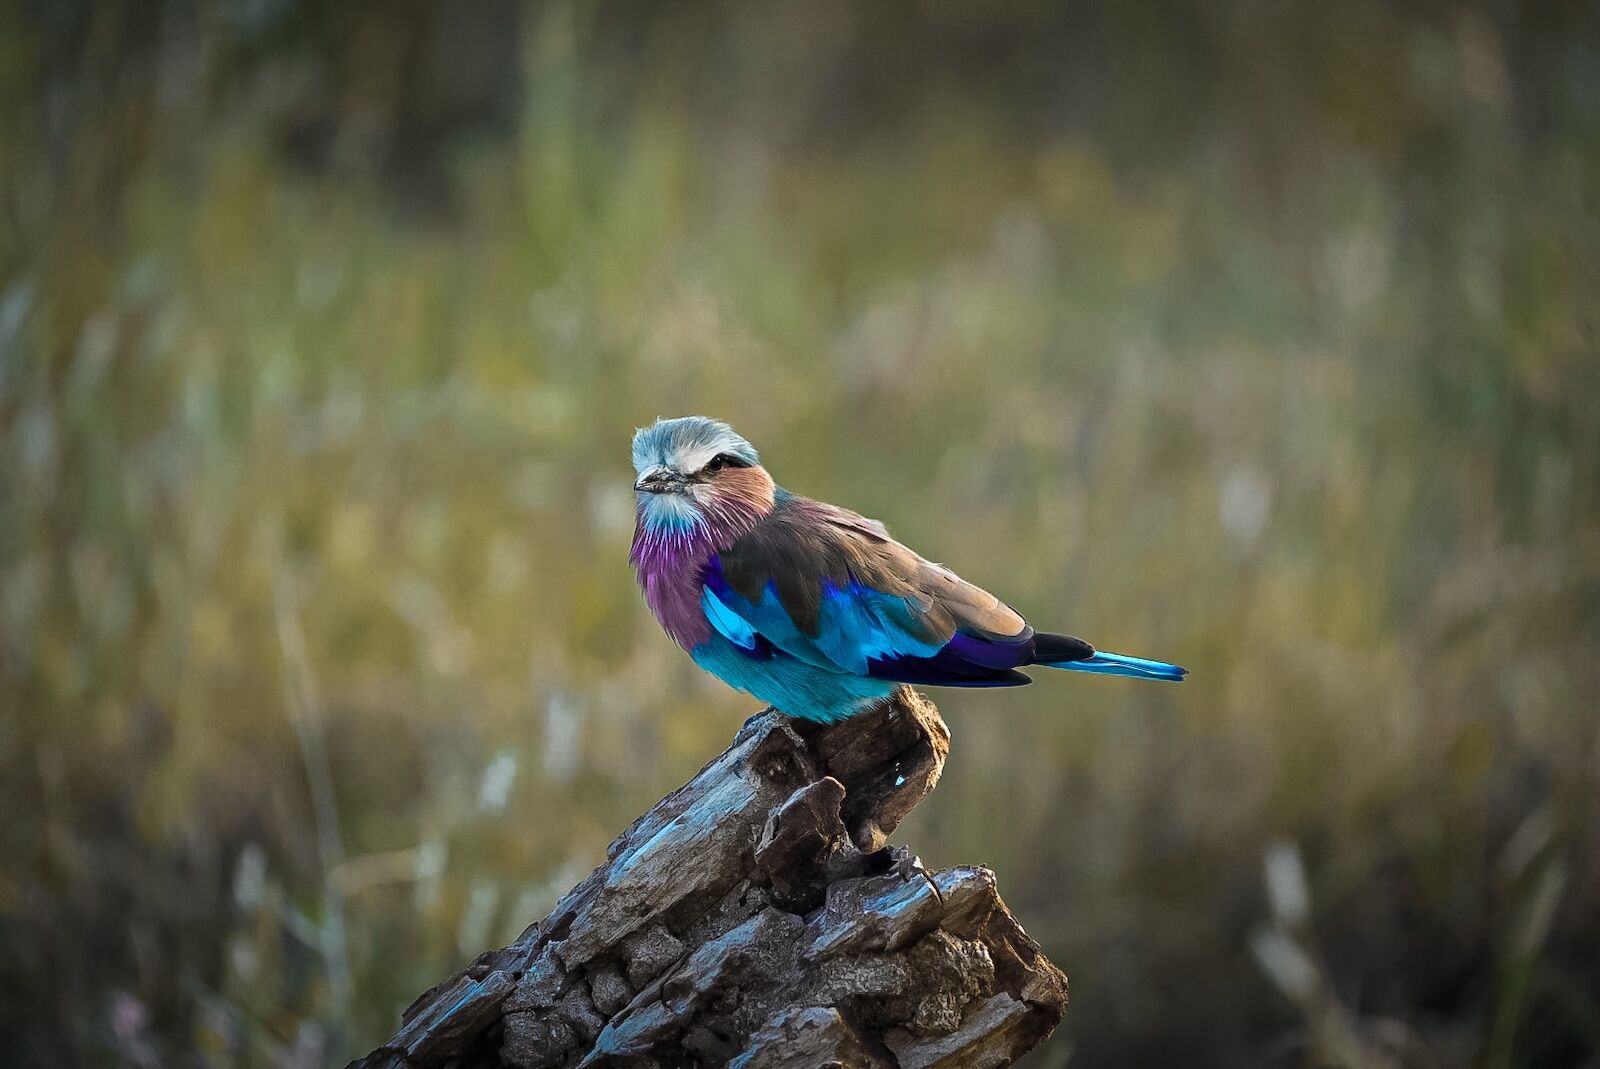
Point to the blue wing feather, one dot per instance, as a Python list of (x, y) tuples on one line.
[(863, 632), (733, 627)]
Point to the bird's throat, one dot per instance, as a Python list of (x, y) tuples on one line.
[(673, 547)]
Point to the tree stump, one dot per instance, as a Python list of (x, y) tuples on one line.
[(755, 918)]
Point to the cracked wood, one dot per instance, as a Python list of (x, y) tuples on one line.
[(755, 917)]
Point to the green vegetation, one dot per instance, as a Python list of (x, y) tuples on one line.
[(1260, 338)]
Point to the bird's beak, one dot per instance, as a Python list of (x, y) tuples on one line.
[(662, 481)]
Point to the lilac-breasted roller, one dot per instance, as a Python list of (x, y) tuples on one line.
[(810, 607)]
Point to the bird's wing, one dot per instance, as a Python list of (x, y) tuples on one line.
[(831, 588)]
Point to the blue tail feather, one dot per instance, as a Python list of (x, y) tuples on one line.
[(1115, 664)]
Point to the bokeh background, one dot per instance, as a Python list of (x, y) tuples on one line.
[(1257, 336)]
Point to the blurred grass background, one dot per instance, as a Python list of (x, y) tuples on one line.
[(1261, 337)]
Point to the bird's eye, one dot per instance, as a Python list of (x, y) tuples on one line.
[(724, 460)]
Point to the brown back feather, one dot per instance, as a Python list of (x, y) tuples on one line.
[(802, 543)]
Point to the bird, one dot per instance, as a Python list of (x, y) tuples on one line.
[(810, 607)]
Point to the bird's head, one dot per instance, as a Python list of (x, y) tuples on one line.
[(693, 471)]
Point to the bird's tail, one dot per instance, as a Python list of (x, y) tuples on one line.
[(1075, 655), (1115, 664)]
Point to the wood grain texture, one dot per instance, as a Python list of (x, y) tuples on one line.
[(755, 918)]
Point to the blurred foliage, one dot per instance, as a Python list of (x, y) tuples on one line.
[(1260, 337)]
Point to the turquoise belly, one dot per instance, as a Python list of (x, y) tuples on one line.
[(796, 688)]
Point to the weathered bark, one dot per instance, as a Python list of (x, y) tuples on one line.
[(755, 918)]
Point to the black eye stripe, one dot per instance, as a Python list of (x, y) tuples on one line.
[(724, 460)]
